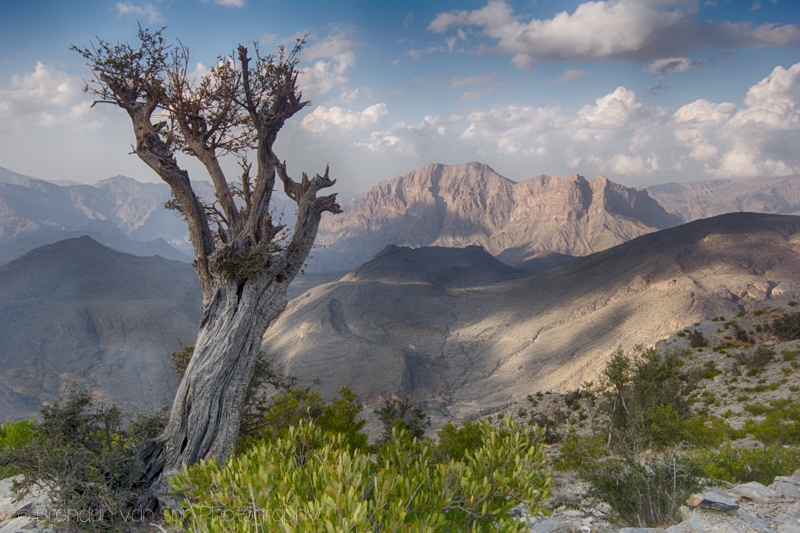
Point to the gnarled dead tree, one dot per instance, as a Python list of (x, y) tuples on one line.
[(244, 259)]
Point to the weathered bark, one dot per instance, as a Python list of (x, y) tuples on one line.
[(204, 421)]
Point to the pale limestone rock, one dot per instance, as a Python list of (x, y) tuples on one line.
[(754, 491)]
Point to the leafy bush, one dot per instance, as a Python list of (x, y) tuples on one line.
[(787, 327), (647, 493), (638, 389), (82, 454), (738, 465), (578, 450), (455, 441), (756, 359), (697, 339), (293, 404), (781, 424), (15, 436), (310, 480), (400, 413)]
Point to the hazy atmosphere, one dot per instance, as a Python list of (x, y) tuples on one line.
[(643, 92)]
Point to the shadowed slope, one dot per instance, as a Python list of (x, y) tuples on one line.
[(77, 314), (462, 348)]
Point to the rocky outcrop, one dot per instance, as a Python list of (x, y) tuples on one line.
[(463, 205), (745, 508)]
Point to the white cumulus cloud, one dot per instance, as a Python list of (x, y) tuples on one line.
[(406, 140), (333, 57), (47, 95), (147, 10), (324, 119), (618, 109), (613, 29), (756, 139)]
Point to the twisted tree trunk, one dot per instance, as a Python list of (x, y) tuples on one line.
[(245, 266), (204, 420)]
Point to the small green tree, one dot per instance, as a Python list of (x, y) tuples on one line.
[(400, 413), (637, 389), (787, 327), (697, 339), (644, 493)]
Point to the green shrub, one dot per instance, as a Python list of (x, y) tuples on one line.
[(645, 493), (309, 480), (787, 327), (638, 389), (789, 355), (697, 340), (293, 404), (82, 454), (578, 451), (756, 409), (738, 465), (667, 427), (755, 360), (400, 413), (781, 425), (454, 441), (15, 436)]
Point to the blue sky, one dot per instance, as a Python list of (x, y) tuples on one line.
[(641, 91)]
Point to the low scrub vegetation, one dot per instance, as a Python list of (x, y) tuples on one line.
[(309, 467), (310, 479), (83, 455), (648, 438), (739, 465)]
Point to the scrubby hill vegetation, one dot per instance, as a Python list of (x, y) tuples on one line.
[(715, 403)]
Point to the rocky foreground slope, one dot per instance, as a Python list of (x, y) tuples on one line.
[(460, 332)]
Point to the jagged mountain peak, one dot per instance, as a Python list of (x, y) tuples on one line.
[(471, 204)]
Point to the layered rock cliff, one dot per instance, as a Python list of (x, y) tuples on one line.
[(471, 204)]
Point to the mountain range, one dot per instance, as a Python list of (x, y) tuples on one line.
[(463, 205), (703, 199), (464, 289), (536, 222)]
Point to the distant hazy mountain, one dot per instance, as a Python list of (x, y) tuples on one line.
[(458, 331), (703, 199), (120, 212), (463, 205), (77, 314)]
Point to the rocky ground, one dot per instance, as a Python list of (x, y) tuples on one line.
[(730, 387), (744, 508)]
